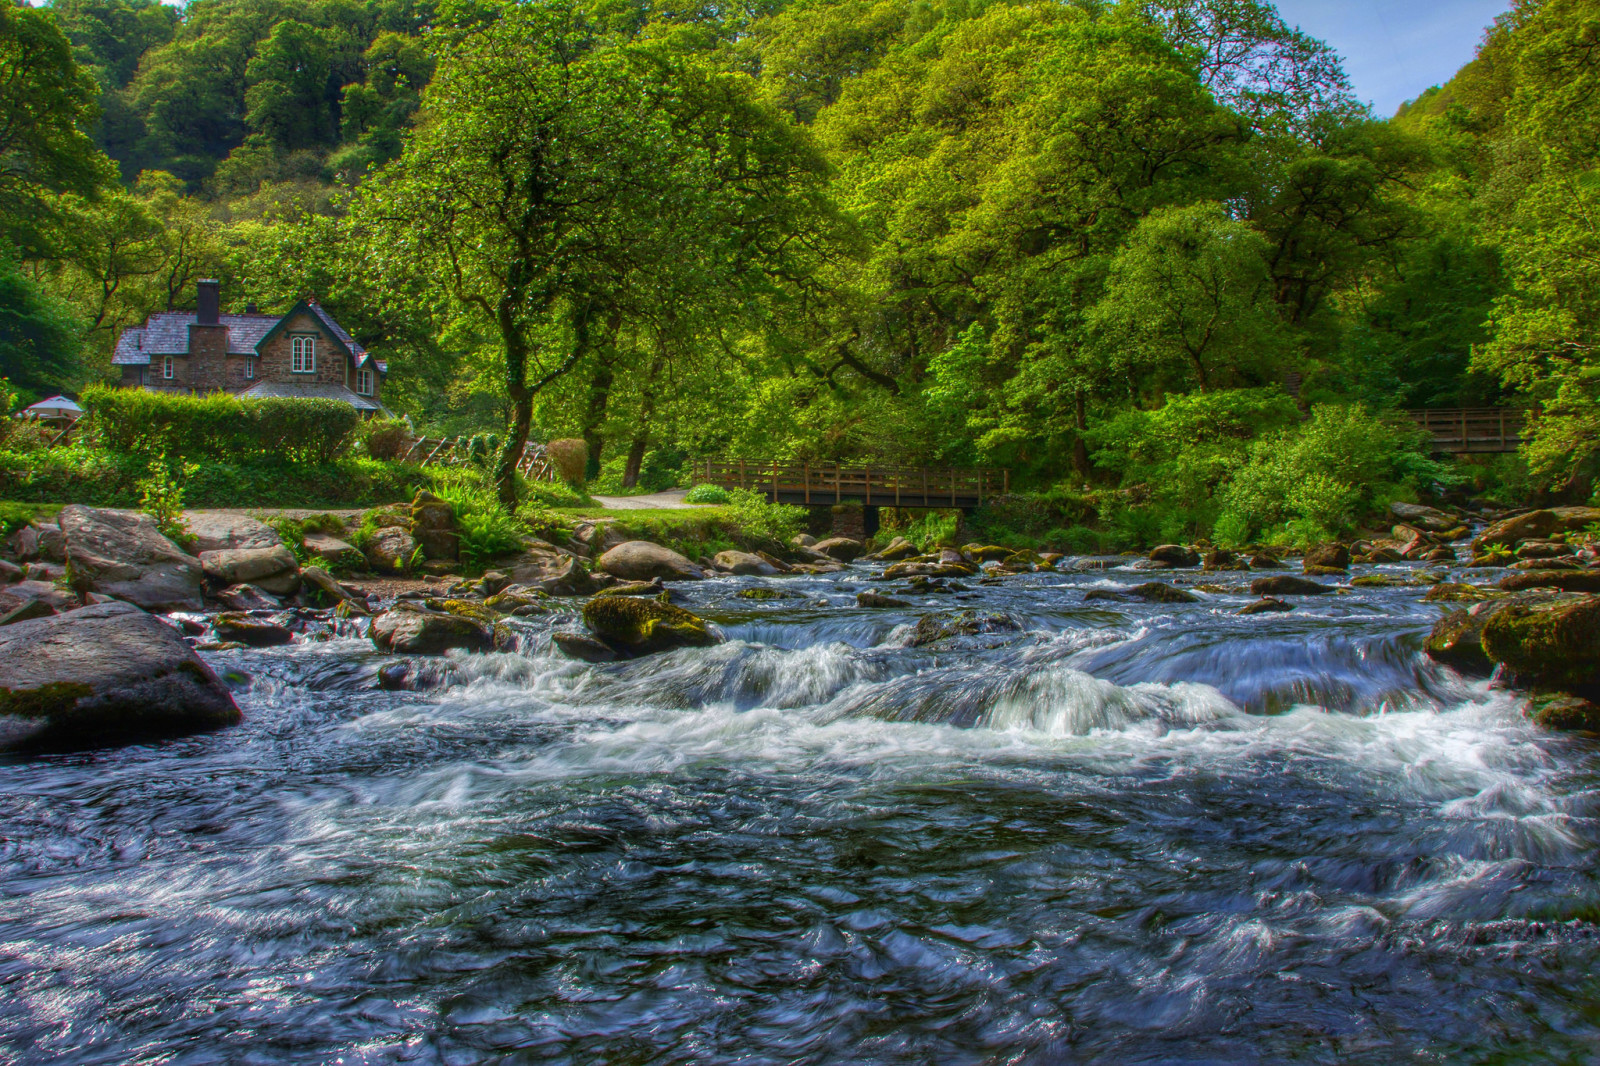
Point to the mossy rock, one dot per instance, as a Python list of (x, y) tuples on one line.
[(1493, 558), (1457, 641), (1453, 592), (633, 588), (986, 553), (1312, 570), (1157, 592), (764, 593), (933, 627), (1572, 714), (238, 627), (525, 603), (1553, 645), (644, 626), (481, 613), (1377, 581)]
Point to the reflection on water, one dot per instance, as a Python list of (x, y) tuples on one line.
[(1126, 834)]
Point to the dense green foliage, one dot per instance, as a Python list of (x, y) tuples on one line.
[(1148, 254), (220, 426)]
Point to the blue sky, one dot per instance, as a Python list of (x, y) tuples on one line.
[(1395, 49)]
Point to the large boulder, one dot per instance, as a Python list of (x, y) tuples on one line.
[(1327, 557), (1457, 638), (334, 549), (390, 550), (641, 626), (1156, 592), (1172, 557), (640, 560), (215, 531), (103, 675), (1576, 519), (409, 629), (565, 576), (274, 569), (840, 549), (1429, 518), (932, 628), (1550, 645), (899, 548), (121, 554), (1535, 525), (1564, 580), (744, 564)]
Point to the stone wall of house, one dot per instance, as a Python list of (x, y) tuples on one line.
[(131, 376), (208, 358), (277, 356)]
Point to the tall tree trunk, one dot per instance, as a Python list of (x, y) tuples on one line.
[(594, 417), (516, 349), (641, 431), (1080, 422)]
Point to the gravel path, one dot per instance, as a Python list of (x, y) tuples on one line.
[(672, 501)]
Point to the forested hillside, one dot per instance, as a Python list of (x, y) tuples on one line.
[(1090, 241)]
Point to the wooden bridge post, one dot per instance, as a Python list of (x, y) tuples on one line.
[(806, 473)]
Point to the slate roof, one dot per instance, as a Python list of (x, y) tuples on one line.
[(307, 391), (167, 333)]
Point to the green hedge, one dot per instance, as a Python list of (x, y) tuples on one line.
[(219, 426), (110, 479)]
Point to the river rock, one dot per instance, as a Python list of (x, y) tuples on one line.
[(1429, 518), (255, 632), (877, 599), (1264, 561), (936, 627), (640, 560), (566, 577), (1327, 557), (899, 548), (274, 569), (744, 564), (1543, 549), (1287, 585), (636, 588), (247, 598), (840, 549), (1535, 525), (1539, 564), (1266, 605), (1550, 645), (408, 629), (1156, 592), (10, 572), (1219, 559), (27, 612), (38, 540), (121, 554), (1576, 519), (215, 531), (1565, 580), (319, 578), (643, 626), (1453, 592), (1566, 712), (390, 550), (106, 674), (335, 550), (1172, 557), (584, 648)]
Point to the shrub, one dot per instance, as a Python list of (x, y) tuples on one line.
[(933, 530), (385, 438), (486, 529), (1323, 476), (546, 494), (762, 520), (219, 426), (27, 436), (569, 457), (161, 497), (713, 494)]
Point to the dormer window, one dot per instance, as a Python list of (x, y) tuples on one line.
[(303, 355), (364, 382), (166, 366)]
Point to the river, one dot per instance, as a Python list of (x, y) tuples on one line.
[(1120, 833)]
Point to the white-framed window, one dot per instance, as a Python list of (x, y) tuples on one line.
[(303, 355), (166, 366), (364, 382), (249, 368)]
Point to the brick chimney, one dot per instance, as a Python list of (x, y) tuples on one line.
[(208, 301), (208, 340)]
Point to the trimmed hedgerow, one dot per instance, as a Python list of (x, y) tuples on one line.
[(219, 426)]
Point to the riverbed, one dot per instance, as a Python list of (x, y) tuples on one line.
[(1119, 832)]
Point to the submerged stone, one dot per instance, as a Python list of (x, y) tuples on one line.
[(1156, 592), (934, 627), (1287, 585)]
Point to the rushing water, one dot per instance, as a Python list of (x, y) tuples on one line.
[(1123, 833)]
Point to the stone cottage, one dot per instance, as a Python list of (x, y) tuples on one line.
[(304, 354)]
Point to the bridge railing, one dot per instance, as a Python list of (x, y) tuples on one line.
[(1473, 429), (886, 486)]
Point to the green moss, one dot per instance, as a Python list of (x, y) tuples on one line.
[(55, 698), (645, 625), (477, 612), (1551, 645)]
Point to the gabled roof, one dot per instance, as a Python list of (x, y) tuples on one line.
[(353, 351), (54, 403), (167, 333), (295, 390)]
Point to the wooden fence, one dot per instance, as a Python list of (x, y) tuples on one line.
[(874, 486), (452, 451), (1473, 430)]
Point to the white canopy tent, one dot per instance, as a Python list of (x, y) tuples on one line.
[(56, 407)]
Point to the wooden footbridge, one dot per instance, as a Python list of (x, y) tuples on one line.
[(1473, 430), (872, 486)]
